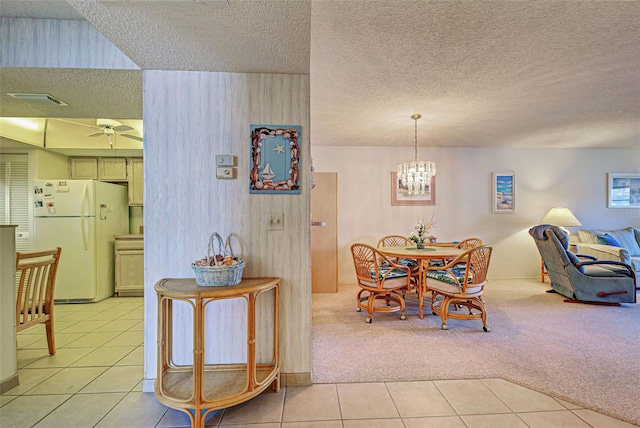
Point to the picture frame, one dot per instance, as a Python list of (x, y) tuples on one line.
[(399, 195), (623, 190), (503, 192), (275, 159)]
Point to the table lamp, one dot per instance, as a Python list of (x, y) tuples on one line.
[(560, 216)]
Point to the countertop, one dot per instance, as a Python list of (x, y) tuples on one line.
[(132, 237)]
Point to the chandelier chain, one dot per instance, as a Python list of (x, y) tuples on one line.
[(415, 121)]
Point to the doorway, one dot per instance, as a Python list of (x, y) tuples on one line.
[(324, 233)]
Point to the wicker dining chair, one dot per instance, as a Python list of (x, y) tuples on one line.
[(469, 243), (401, 241), (36, 275), (379, 278), (394, 241), (453, 288)]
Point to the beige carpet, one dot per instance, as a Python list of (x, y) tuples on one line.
[(585, 354)]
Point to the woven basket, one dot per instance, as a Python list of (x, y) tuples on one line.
[(218, 274)]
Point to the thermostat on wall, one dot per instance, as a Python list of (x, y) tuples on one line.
[(225, 172)]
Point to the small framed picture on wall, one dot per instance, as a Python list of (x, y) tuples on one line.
[(623, 190), (275, 159), (504, 192)]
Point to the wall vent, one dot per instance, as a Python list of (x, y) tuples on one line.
[(38, 99)]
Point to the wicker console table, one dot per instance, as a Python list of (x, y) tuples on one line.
[(200, 388)]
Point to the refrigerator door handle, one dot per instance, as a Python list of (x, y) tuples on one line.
[(83, 218)]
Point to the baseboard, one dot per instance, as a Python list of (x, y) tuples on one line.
[(9, 383), (295, 379), (148, 385)]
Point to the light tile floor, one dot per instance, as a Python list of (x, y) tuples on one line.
[(95, 380)]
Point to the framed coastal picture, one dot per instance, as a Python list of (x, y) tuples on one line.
[(504, 192), (275, 159), (623, 190), (400, 196)]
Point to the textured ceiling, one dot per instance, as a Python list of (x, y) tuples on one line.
[(482, 73)]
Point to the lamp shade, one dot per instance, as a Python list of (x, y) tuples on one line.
[(560, 216)]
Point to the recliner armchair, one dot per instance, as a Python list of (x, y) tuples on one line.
[(592, 281)]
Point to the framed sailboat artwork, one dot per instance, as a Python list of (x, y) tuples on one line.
[(275, 159)]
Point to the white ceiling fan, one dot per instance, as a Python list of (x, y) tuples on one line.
[(107, 127)]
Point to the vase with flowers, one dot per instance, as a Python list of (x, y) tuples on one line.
[(421, 232)]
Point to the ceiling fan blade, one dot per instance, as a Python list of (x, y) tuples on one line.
[(96, 134), (78, 123), (121, 128), (133, 137)]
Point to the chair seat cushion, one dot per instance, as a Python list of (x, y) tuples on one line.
[(605, 271), (382, 271), (407, 262), (443, 275), (441, 280), (395, 279)]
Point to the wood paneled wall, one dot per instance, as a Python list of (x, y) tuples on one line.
[(189, 118), (57, 43)]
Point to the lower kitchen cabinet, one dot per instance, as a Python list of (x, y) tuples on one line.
[(129, 265)]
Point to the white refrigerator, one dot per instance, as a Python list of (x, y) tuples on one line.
[(82, 217)]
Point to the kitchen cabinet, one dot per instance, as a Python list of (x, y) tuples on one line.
[(129, 265), (83, 168), (112, 169), (135, 173)]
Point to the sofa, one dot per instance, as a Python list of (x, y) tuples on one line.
[(621, 245)]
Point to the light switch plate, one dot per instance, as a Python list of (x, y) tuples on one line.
[(275, 221), (225, 173), (225, 160)]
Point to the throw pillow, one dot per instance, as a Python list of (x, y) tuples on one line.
[(627, 239), (607, 239)]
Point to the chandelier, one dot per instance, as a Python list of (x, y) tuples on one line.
[(416, 176)]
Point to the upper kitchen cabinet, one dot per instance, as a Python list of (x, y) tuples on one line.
[(112, 169), (135, 173), (83, 168), (103, 169)]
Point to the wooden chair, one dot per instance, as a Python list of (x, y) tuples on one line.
[(401, 241), (465, 244), (394, 241), (385, 281), (469, 243), (36, 276), (460, 287)]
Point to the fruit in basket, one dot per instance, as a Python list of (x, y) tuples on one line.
[(217, 261)]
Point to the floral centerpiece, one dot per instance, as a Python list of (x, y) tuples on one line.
[(421, 232)]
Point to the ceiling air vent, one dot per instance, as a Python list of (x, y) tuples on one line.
[(44, 100)]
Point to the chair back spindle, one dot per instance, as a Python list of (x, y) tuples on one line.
[(36, 276)]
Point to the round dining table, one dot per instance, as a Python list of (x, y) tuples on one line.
[(422, 256)]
